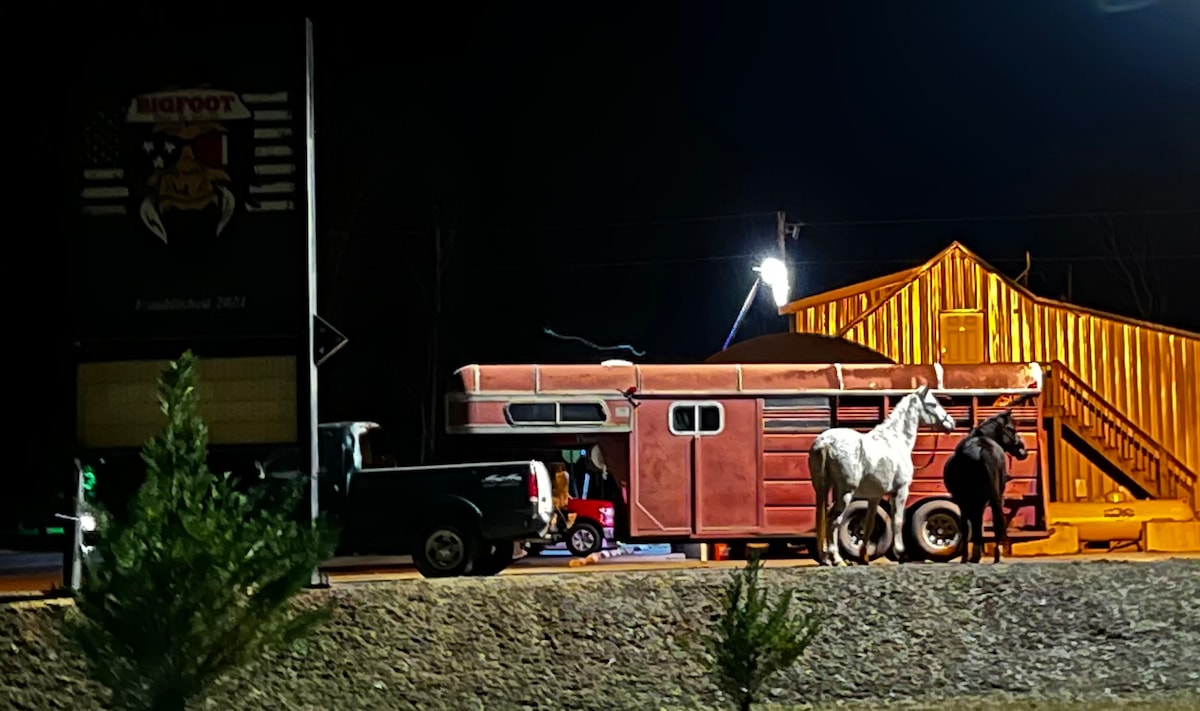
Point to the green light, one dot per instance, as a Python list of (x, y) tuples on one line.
[(89, 478)]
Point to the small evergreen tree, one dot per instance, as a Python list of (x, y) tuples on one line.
[(754, 638), (197, 578)]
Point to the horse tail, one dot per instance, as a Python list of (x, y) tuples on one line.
[(817, 459)]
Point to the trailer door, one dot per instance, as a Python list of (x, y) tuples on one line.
[(725, 455), (661, 486)]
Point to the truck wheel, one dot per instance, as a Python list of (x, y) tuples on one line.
[(935, 529), (495, 556), (849, 534), (445, 550), (584, 539)]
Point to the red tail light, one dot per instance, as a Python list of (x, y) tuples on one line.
[(531, 484)]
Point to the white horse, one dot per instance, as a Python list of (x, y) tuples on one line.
[(870, 466)]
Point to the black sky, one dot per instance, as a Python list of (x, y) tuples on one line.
[(568, 147)]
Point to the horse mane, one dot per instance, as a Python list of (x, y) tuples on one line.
[(984, 429), (906, 403)]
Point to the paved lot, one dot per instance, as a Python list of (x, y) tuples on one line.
[(32, 574)]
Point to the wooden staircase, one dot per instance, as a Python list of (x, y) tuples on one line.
[(1112, 442)]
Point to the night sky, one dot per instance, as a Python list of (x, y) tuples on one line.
[(612, 170)]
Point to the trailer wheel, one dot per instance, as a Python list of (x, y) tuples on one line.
[(849, 535), (445, 550), (494, 557), (935, 529), (584, 539)]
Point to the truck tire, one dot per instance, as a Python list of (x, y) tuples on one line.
[(584, 539), (493, 558), (935, 530), (445, 550), (848, 532)]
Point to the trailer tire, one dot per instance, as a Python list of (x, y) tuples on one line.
[(848, 533), (935, 530), (445, 550), (584, 539)]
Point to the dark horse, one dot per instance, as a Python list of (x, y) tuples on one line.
[(976, 474)]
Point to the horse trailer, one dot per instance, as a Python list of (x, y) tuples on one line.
[(719, 452)]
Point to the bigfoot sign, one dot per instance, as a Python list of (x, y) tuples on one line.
[(191, 200)]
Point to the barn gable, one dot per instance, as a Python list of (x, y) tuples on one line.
[(1129, 388)]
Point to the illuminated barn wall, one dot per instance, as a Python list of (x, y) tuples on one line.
[(958, 309)]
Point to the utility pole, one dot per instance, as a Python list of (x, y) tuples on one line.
[(781, 233), (783, 230)]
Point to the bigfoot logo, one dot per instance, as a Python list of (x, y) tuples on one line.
[(185, 160), (187, 152)]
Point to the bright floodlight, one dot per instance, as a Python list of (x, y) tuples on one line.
[(775, 274)]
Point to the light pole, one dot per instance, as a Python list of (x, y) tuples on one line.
[(775, 273)]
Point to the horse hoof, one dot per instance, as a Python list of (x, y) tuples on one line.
[(841, 564)]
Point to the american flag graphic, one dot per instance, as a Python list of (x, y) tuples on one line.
[(273, 187), (273, 180), (105, 191)]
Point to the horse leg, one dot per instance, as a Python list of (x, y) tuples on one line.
[(899, 501), (964, 541), (869, 530), (820, 536), (976, 531), (999, 525), (842, 500)]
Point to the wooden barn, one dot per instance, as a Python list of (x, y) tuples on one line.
[(1123, 396)]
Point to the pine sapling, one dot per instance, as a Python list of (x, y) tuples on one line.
[(198, 578), (754, 637)]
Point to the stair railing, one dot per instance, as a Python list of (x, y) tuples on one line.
[(1160, 471)]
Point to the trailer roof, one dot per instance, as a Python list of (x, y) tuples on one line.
[(711, 378)]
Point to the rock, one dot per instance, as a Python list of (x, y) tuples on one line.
[(892, 635)]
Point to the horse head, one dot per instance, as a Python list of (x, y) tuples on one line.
[(931, 412), (1002, 429)]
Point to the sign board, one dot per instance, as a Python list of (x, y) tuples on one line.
[(191, 188)]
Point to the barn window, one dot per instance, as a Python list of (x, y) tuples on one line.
[(556, 413), (697, 418)]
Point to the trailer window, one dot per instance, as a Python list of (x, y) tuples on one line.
[(533, 413), (581, 412), (693, 418), (556, 413)]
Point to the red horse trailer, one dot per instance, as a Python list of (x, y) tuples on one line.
[(718, 452)]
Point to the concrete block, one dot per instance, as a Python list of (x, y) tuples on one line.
[(1171, 536), (1063, 540)]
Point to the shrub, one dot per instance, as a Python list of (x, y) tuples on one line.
[(754, 638), (197, 579)]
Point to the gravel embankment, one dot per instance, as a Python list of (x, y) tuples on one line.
[(908, 634)]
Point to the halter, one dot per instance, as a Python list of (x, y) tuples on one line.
[(936, 436)]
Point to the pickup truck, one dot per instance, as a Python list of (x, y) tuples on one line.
[(454, 519)]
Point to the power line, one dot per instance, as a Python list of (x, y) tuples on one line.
[(806, 262), (1002, 218), (1025, 217)]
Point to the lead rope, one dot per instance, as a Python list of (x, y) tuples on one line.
[(932, 453)]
